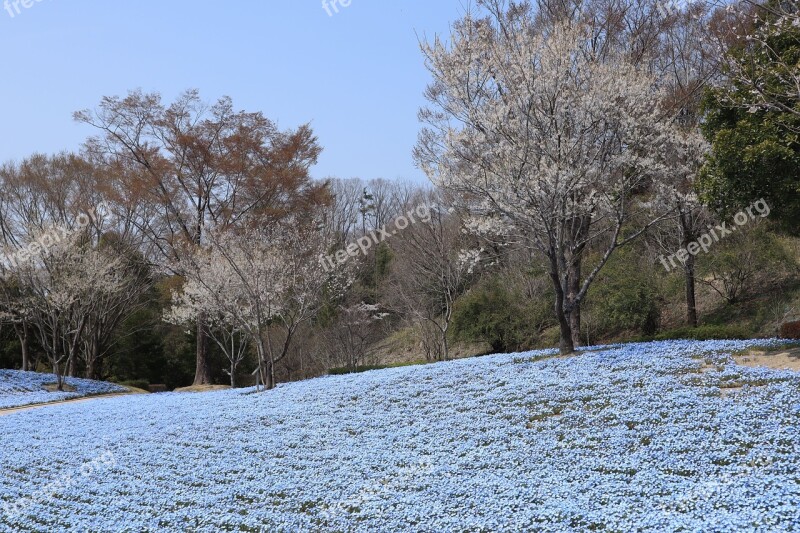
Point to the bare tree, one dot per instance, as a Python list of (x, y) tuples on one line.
[(434, 264), (355, 329)]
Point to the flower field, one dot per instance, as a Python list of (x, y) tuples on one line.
[(18, 389), (669, 436)]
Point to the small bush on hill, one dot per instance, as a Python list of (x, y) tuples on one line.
[(492, 313), (626, 297), (136, 384), (790, 330)]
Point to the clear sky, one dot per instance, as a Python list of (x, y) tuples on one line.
[(357, 76)]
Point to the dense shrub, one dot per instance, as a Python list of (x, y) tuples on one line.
[(626, 297), (790, 330), (496, 314), (137, 384)]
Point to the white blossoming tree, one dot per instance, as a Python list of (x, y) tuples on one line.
[(256, 285), (59, 290), (551, 146)]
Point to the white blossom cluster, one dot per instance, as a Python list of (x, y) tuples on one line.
[(668, 436)]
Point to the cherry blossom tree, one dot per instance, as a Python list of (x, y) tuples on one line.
[(262, 284), (550, 145), (209, 291), (59, 288)]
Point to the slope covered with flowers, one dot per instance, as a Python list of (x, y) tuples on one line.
[(18, 389), (654, 437)]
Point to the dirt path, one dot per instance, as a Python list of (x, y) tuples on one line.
[(12, 410)]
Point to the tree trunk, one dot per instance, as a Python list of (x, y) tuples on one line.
[(59, 377), (688, 236), (25, 353), (22, 334), (91, 371), (566, 345), (56, 365), (233, 375), (94, 365), (691, 299), (573, 288), (71, 365), (72, 359), (574, 264), (202, 375), (270, 382), (575, 325)]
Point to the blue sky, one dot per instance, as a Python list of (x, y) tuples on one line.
[(357, 76)]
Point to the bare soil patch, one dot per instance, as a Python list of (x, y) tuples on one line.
[(779, 360), (53, 387), (204, 388)]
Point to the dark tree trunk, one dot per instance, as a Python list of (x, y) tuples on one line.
[(691, 299), (94, 365), (566, 346), (202, 374), (574, 263), (270, 377), (25, 354), (688, 236), (572, 295), (56, 364), (91, 372)]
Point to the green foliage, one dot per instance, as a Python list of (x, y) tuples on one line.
[(152, 350), (626, 296), (707, 332), (10, 354), (492, 313), (137, 384), (756, 149)]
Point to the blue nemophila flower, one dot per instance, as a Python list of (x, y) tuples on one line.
[(18, 389), (661, 437)]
